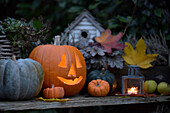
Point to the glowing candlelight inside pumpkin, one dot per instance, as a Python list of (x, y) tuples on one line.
[(132, 90)]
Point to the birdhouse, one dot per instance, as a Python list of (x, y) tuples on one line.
[(84, 26), (133, 83)]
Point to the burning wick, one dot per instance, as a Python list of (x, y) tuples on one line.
[(132, 90)]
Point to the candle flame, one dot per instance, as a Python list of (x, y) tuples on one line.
[(132, 90)]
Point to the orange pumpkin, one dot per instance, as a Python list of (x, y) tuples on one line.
[(54, 92), (64, 66), (98, 88)]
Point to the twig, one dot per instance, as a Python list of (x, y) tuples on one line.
[(133, 13)]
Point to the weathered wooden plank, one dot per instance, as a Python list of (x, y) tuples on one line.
[(85, 23), (5, 45), (2, 36), (4, 41), (5, 57), (6, 54), (6, 50), (80, 102), (85, 27), (78, 30), (85, 20)]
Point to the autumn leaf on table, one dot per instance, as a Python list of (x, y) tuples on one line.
[(54, 99), (109, 41), (138, 56)]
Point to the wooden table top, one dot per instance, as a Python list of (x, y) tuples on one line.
[(80, 101)]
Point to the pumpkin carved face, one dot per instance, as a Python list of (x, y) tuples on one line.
[(64, 66)]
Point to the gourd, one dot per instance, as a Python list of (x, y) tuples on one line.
[(64, 66), (98, 88), (54, 92), (103, 75), (21, 79)]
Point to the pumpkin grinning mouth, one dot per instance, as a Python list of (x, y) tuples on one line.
[(71, 81)]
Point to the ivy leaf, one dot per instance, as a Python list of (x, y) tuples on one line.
[(124, 19), (62, 4), (158, 12), (113, 25), (138, 56), (93, 6), (37, 24), (134, 1), (24, 5), (75, 9), (109, 41)]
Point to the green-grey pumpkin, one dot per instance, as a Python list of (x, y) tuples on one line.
[(21, 79), (103, 75)]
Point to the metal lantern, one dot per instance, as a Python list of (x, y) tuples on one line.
[(132, 84)]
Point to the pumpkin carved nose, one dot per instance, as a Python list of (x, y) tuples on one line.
[(72, 71)]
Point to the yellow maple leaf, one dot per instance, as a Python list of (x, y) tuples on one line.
[(138, 56)]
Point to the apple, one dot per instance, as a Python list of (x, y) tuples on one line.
[(163, 88), (150, 86)]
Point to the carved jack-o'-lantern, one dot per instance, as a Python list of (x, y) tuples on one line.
[(63, 66)]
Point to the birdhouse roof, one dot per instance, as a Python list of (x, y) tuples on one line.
[(84, 14)]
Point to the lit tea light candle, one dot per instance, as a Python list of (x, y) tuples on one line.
[(132, 90)]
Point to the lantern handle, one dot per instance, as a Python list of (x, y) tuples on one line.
[(57, 40)]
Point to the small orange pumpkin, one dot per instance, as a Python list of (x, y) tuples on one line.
[(98, 88), (54, 92)]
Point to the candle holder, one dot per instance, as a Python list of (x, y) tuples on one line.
[(132, 84)]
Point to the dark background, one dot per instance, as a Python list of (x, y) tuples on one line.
[(148, 18)]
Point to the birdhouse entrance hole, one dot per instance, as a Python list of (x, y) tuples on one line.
[(84, 34)]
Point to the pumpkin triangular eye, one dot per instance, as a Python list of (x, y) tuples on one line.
[(78, 64), (63, 62)]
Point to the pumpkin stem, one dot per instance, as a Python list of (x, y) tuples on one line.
[(52, 85), (57, 40), (14, 58), (103, 70), (98, 84)]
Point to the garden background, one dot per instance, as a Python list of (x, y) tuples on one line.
[(142, 17), (138, 18)]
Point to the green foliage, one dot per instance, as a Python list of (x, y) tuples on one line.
[(37, 24), (149, 16), (25, 35)]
